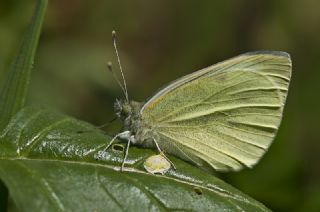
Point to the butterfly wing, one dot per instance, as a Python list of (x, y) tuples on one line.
[(225, 116)]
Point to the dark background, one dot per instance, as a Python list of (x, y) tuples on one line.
[(162, 40)]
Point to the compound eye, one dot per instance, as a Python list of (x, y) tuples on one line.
[(126, 110)]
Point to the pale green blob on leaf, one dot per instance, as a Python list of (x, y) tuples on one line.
[(157, 164)]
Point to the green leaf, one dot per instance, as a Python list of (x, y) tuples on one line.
[(13, 90), (50, 162)]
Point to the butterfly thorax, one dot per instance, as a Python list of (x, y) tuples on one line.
[(129, 114)]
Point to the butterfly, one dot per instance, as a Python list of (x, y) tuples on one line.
[(223, 117)]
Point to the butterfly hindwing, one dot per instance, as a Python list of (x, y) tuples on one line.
[(224, 116)]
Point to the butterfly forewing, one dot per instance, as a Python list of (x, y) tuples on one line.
[(224, 116)]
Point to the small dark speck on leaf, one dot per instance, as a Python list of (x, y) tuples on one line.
[(83, 131), (118, 147), (197, 190)]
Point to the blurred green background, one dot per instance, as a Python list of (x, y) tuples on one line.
[(162, 40)]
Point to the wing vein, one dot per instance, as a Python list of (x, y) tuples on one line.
[(201, 153)]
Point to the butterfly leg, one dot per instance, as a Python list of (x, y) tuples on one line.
[(114, 138), (126, 153), (162, 153)]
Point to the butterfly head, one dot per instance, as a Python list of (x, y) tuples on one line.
[(127, 110), (122, 108)]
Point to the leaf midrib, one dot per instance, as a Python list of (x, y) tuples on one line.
[(134, 170)]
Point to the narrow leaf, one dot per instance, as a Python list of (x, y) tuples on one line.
[(14, 87)]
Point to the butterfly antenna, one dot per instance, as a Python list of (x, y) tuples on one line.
[(109, 65), (114, 39)]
